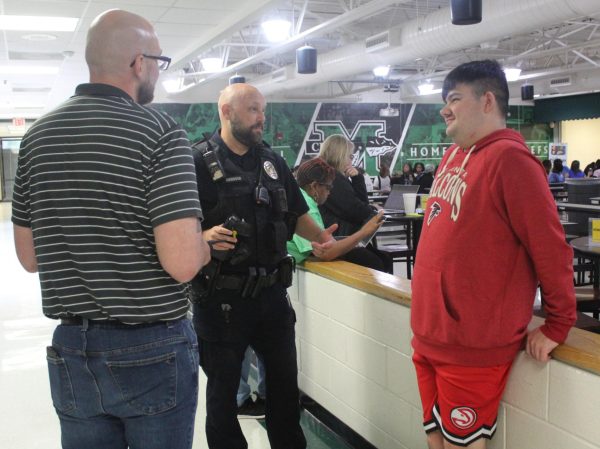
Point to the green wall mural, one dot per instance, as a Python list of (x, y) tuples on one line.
[(417, 134)]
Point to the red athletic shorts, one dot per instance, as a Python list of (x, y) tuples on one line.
[(460, 401)]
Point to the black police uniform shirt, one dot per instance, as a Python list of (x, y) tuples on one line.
[(208, 191)]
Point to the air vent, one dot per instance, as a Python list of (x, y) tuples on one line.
[(34, 56), (279, 75), (382, 41), (558, 82), (31, 89)]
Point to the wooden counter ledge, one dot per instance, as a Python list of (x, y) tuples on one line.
[(582, 348)]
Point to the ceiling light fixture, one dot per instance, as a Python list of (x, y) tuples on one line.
[(211, 64), (512, 73), (276, 30), (28, 70), (172, 85), (425, 88), (381, 71), (37, 23)]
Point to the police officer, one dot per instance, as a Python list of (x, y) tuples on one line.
[(252, 206)]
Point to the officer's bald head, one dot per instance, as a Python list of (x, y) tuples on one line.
[(114, 39), (242, 114), (238, 94)]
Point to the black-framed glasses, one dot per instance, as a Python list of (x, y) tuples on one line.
[(163, 61), (327, 186)]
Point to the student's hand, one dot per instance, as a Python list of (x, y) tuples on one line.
[(220, 238), (539, 346)]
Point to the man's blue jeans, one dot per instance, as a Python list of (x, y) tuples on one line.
[(116, 386), (244, 390)]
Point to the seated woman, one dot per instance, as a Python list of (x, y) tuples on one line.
[(315, 178), (348, 204), (406, 178)]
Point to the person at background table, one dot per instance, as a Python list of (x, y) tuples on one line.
[(481, 256), (383, 182), (575, 171), (556, 175), (348, 204), (315, 178), (406, 178), (425, 179), (419, 171), (589, 168), (368, 179), (596, 173), (547, 164)]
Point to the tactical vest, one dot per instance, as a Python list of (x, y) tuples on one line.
[(238, 194)]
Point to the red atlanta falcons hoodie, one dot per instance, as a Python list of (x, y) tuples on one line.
[(490, 234)]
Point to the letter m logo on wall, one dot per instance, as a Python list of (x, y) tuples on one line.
[(368, 136)]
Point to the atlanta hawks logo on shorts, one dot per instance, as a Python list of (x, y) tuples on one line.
[(463, 417)]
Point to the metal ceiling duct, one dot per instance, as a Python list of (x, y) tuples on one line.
[(435, 35), (421, 38)]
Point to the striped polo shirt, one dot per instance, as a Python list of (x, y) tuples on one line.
[(94, 177)]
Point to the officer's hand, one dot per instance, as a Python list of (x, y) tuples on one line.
[(539, 346), (220, 238)]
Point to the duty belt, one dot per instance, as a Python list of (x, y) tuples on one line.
[(250, 285)]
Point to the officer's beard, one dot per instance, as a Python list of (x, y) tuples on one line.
[(247, 136)]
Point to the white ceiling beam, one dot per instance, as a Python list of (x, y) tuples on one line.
[(237, 20)]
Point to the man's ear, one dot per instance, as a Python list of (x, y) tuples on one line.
[(490, 102), (226, 111), (138, 66)]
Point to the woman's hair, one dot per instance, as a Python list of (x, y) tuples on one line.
[(575, 166), (406, 164), (557, 166), (420, 164), (336, 150), (384, 171), (315, 169)]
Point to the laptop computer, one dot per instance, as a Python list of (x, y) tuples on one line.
[(395, 201)]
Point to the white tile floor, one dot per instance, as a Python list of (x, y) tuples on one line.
[(27, 418)]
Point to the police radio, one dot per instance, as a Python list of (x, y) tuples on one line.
[(212, 161)]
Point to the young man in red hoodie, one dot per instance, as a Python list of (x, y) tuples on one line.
[(491, 234)]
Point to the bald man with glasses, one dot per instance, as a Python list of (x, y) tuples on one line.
[(106, 209)]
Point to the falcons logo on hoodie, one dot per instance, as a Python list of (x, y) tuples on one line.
[(435, 210)]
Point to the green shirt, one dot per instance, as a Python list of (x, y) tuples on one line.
[(299, 247)]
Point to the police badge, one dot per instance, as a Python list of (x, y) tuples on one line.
[(270, 170)]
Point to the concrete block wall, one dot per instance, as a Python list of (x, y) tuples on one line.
[(354, 358)]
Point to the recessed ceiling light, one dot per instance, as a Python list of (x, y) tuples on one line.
[(28, 70), (211, 64), (37, 23), (381, 71), (512, 73), (38, 37), (172, 85), (276, 30)]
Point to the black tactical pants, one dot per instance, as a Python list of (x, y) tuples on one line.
[(226, 324)]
